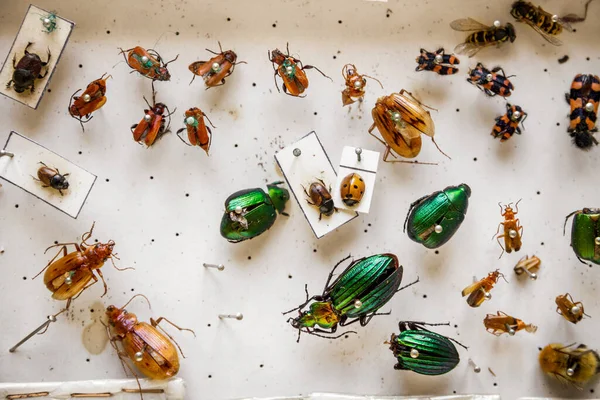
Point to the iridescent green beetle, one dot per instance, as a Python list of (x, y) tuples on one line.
[(356, 295), (250, 212), (585, 234), (423, 351), (433, 220)]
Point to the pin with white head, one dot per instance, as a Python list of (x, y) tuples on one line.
[(145, 59), (51, 319), (438, 59), (147, 118), (476, 368), (4, 153), (497, 24), (218, 267), (527, 265), (358, 152), (297, 152), (509, 329), (238, 316), (589, 106), (216, 67)]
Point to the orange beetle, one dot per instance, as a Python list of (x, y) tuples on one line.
[(68, 276), (215, 70), (152, 126), (199, 134), (480, 290), (513, 231), (570, 310), (291, 71), (148, 63), (355, 84), (147, 348), (504, 323), (92, 99)]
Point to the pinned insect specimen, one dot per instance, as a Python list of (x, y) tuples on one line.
[(51, 177), (92, 99), (480, 290), (438, 62), (355, 84), (215, 70), (27, 70), (513, 231), (483, 36)]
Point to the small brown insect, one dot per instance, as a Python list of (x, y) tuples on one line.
[(527, 265), (215, 70), (570, 310), (199, 134), (513, 231), (480, 290), (503, 323), (355, 84), (51, 177), (320, 197)]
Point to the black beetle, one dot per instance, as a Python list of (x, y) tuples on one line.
[(27, 70), (51, 177)]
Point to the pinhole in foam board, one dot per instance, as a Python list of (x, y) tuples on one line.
[(366, 168), (299, 172), (21, 169), (32, 31)]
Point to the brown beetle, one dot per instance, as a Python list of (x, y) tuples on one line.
[(27, 70), (352, 189), (153, 126), (92, 99), (355, 84), (149, 350), (513, 231), (198, 133), (320, 197), (570, 310), (148, 63), (480, 290), (528, 265), (215, 70), (51, 177), (503, 323)]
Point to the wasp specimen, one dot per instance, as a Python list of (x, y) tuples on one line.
[(215, 70), (355, 84), (583, 99), (438, 62), (92, 99), (152, 127), (500, 323), (513, 231), (570, 310), (575, 365), (483, 36), (492, 83), (291, 71), (51, 177), (508, 124), (480, 290)]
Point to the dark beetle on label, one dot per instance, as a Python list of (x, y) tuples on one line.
[(433, 220), (250, 212), (51, 177), (27, 70), (320, 197), (585, 234), (422, 351)]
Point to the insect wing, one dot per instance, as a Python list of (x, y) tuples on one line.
[(154, 130), (549, 38), (159, 356), (469, 24), (60, 267), (470, 49), (414, 115), (79, 279), (200, 68)]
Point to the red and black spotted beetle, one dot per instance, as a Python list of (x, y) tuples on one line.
[(148, 63), (508, 124), (583, 98), (152, 126), (320, 197), (442, 64), (199, 134), (491, 82), (215, 70)]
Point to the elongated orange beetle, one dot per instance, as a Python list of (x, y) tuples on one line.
[(503, 323), (570, 310), (513, 231), (480, 290)]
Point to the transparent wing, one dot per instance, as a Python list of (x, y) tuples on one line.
[(550, 38), (470, 49), (468, 24)]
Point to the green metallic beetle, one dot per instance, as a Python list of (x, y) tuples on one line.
[(433, 220), (357, 293), (250, 212), (423, 351), (585, 234)]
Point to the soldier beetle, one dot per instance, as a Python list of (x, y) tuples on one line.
[(401, 119), (199, 134), (492, 82), (92, 99), (215, 70), (355, 84), (480, 290), (438, 62), (291, 71), (152, 126), (513, 231), (570, 310), (528, 265), (508, 124), (503, 323), (147, 62), (69, 275), (51, 177), (150, 350)]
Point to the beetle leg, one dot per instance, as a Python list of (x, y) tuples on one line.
[(206, 116), (405, 286), (317, 332), (64, 250), (193, 77), (498, 240), (48, 60), (275, 79), (312, 66), (99, 272), (26, 47), (88, 286), (333, 270), (498, 231), (415, 99), (86, 236), (159, 320)]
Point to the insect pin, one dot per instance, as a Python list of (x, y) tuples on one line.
[(355, 84), (500, 323), (320, 196), (152, 352), (480, 290), (422, 351), (492, 83), (215, 70), (508, 124), (199, 134), (27, 70), (483, 36), (152, 127), (583, 100), (92, 99), (572, 364), (570, 310), (401, 120), (528, 265), (148, 63), (49, 22), (585, 234), (356, 295), (438, 62), (51, 177), (291, 71), (512, 229)]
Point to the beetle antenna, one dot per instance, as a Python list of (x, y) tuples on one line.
[(459, 343), (120, 269), (137, 295), (375, 79)]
